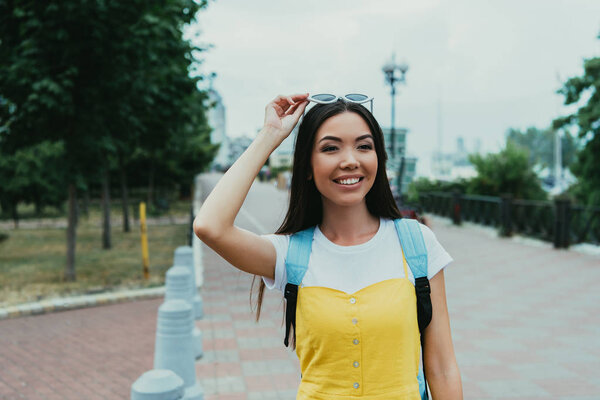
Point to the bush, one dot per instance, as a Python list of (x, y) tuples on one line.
[(423, 185)]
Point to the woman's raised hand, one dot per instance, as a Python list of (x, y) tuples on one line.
[(283, 113)]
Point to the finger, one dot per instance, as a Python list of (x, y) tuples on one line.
[(299, 97), (292, 108), (300, 109), (278, 109), (278, 98), (281, 101), (284, 103), (292, 99)]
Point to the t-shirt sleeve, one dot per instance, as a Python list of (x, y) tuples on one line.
[(437, 257), (281, 245)]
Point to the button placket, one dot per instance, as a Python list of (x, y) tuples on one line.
[(355, 365)]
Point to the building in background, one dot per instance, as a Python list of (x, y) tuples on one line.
[(454, 165), (283, 155), (218, 135), (237, 146), (393, 163)]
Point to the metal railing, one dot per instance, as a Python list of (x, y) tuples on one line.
[(556, 221), (484, 210), (585, 224)]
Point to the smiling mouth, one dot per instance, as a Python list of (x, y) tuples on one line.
[(348, 182)]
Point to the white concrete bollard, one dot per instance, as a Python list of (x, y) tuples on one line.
[(178, 287), (174, 349), (184, 256), (157, 384)]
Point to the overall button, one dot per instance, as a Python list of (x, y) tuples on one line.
[(352, 300), (356, 385), (354, 321), (356, 364), (356, 341)]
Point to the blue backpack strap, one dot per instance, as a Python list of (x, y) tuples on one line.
[(296, 261), (415, 252), (296, 264), (413, 245)]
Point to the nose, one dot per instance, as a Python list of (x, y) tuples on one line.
[(349, 160)]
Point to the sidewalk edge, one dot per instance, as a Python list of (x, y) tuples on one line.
[(73, 303)]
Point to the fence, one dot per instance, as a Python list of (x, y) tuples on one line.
[(556, 221)]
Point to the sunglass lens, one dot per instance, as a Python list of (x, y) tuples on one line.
[(356, 97), (324, 97)]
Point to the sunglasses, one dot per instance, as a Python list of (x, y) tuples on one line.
[(325, 98)]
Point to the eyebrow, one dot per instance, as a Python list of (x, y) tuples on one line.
[(337, 139)]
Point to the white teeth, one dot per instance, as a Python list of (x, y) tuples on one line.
[(349, 181)]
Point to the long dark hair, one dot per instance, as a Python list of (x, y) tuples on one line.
[(305, 208)]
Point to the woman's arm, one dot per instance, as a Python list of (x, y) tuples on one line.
[(441, 368), (214, 222)]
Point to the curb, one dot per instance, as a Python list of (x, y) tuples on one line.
[(77, 302)]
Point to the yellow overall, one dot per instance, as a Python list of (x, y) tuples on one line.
[(363, 345)]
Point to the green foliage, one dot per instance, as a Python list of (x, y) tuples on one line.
[(32, 175), (106, 79), (540, 145), (275, 171), (423, 185), (508, 171), (587, 119), (109, 81)]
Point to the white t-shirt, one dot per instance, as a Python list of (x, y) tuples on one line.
[(351, 268)]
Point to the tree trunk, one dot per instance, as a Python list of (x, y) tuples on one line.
[(71, 237), (124, 198), (106, 210)]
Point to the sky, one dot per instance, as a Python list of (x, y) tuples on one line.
[(476, 68)]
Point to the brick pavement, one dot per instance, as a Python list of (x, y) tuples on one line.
[(525, 317), (91, 353), (525, 320)]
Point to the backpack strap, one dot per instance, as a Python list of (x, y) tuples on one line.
[(296, 264), (415, 252)]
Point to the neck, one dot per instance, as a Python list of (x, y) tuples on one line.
[(348, 225)]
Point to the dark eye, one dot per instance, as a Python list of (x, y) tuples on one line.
[(365, 147), (328, 148)]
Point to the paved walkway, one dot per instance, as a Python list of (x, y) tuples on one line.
[(525, 321)]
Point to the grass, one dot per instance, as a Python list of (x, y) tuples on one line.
[(32, 261)]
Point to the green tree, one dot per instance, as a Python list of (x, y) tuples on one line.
[(540, 145), (30, 175), (423, 185), (100, 77), (508, 171), (585, 92)]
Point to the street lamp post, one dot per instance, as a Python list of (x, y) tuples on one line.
[(389, 70)]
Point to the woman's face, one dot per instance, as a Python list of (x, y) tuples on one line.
[(344, 161)]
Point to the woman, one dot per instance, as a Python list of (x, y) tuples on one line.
[(357, 335)]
